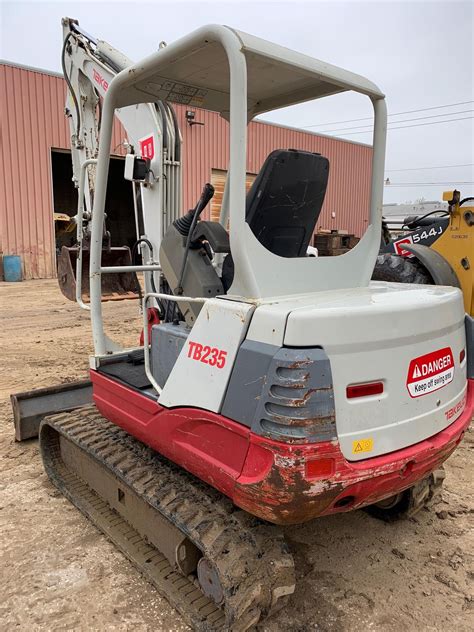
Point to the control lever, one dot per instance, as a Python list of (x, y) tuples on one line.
[(183, 224), (186, 225)]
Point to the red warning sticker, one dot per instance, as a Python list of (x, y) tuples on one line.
[(430, 372), (147, 147), (399, 249)]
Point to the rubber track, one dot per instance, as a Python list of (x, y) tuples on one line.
[(253, 563)]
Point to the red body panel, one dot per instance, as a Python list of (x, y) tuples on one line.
[(276, 481), (207, 445)]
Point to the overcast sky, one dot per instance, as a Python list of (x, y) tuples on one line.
[(421, 54)]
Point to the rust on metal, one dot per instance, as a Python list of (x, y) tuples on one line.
[(285, 496)]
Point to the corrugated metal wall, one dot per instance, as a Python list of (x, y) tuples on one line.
[(32, 122), (348, 194)]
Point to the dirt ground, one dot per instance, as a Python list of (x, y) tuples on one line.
[(60, 573)]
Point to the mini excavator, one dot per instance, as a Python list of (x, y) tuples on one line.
[(271, 387)]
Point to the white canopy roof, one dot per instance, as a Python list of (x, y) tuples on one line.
[(194, 71)]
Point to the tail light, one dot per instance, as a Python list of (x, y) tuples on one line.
[(462, 355), (320, 468), (364, 390)]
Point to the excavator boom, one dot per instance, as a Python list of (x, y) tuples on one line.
[(89, 65)]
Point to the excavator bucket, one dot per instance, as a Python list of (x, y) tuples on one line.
[(118, 286)]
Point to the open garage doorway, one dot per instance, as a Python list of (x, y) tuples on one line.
[(119, 203)]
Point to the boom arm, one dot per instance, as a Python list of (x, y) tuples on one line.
[(89, 65)]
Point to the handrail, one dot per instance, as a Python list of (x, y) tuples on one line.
[(146, 338), (144, 268)]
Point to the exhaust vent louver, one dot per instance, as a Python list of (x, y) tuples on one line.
[(297, 401)]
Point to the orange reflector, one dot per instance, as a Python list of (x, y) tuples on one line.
[(318, 468), (364, 390), (462, 355)]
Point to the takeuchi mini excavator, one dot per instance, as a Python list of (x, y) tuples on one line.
[(271, 387)]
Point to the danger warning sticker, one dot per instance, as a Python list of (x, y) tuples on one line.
[(430, 372)]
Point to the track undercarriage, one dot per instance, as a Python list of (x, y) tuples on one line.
[(217, 565)]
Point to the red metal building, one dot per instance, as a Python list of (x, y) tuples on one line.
[(35, 173)]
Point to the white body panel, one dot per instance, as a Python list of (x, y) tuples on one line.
[(240, 76), (371, 335), (199, 378)]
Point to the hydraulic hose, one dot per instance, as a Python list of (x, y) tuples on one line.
[(69, 85), (162, 109), (414, 223), (177, 146)]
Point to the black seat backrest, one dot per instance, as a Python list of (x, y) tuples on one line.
[(284, 204), (285, 200)]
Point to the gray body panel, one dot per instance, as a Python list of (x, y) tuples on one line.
[(247, 381), (285, 394), (167, 340)]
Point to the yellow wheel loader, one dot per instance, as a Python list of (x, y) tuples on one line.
[(437, 249)]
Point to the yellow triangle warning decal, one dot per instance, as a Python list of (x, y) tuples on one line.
[(362, 445)]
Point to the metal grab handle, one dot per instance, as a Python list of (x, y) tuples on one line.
[(146, 339), (117, 269)]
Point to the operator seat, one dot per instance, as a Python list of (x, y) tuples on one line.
[(284, 203)]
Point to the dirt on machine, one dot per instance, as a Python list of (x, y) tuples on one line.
[(269, 389)]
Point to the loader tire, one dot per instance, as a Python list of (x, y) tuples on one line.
[(409, 502), (398, 269)]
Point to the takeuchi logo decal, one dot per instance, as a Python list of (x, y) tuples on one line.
[(430, 372), (99, 79)]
